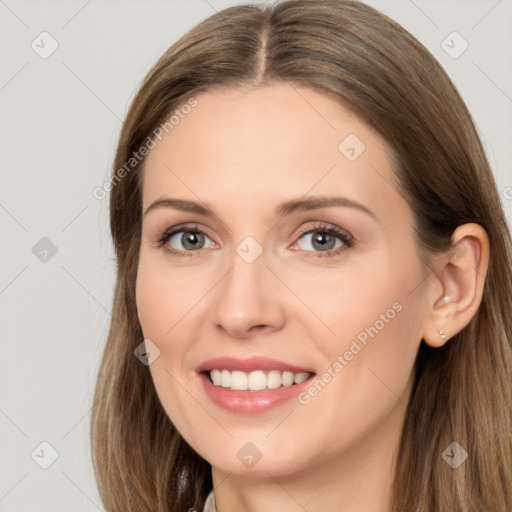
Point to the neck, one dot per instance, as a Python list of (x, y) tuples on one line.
[(359, 478)]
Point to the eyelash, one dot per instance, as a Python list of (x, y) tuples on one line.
[(348, 240)]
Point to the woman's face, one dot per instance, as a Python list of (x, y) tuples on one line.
[(292, 257)]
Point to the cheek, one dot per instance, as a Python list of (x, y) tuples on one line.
[(163, 297), (349, 299), (369, 368), (374, 327), (162, 305)]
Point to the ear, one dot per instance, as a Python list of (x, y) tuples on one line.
[(456, 285)]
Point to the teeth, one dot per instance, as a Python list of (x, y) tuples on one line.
[(238, 381), (225, 379), (287, 378), (300, 377), (274, 379), (215, 375), (257, 380)]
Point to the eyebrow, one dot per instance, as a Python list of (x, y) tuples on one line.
[(283, 209)]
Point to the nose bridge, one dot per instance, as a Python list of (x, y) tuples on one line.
[(247, 295)]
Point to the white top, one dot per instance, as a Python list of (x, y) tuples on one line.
[(209, 504)]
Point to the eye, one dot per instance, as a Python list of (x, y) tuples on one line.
[(185, 239), (326, 239)]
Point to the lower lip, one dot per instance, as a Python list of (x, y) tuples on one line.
[(251, 402)]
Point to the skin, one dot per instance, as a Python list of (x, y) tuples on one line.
[(243, 152)]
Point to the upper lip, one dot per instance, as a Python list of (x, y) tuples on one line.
[(249, 365)]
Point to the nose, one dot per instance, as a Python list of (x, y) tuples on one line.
[(248, 299)]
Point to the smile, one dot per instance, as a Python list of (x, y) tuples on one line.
[(258, 380), (252, 385)]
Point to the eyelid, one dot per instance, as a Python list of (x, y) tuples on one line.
[(327, 227)]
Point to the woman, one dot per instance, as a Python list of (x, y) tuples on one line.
[(314, 274)]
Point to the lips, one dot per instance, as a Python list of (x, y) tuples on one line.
[(250, 365), (252, 385)]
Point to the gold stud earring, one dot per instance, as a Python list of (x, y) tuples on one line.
[(443, 335)]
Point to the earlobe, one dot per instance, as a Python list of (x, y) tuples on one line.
[(461, 276)]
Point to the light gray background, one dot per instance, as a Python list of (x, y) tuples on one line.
[(60, 120)]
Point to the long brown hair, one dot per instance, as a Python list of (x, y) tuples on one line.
[(463, 390)]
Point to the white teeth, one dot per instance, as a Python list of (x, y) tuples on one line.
[(301, 377), (238, 381), (257, 380), (287, 378), (215, 375), (225, 379), (274, 379)]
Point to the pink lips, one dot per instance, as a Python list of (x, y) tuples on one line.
[(249, 365), (250, 402)]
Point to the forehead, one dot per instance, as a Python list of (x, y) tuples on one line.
[(261, 145)]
